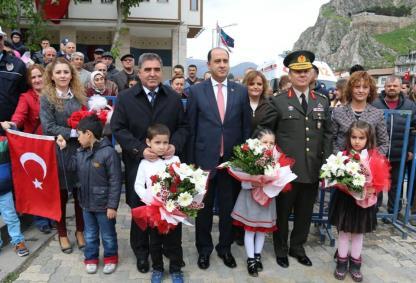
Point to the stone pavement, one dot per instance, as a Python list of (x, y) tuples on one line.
[(386, 258)]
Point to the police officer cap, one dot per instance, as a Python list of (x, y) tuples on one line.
[(108, 54), (126, 56), (99, 51), (65, 40), (299, 60)]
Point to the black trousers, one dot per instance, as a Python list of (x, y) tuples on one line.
[(139, 239), (395, 168), (227, 188), (300, 199), (170, 244)]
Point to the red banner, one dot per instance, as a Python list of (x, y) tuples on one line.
[(35, 174), (53, 9)]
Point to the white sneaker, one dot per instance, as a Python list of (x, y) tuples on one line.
[(109, 268), (91, 268)]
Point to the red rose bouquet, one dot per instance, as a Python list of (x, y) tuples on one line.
[(175, 194)]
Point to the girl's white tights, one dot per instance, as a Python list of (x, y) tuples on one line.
[(253, 242), (356, 244)]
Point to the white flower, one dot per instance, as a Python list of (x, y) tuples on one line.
[(183, 170), (170, 205), (164, 175), (359, 180), (185, 199), (256, 146), (270, 171), (336, 163), (155, 188), (325, 171), (352, 167), (340, 173)]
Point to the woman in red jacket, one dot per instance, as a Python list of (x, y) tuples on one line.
[(26, 118)]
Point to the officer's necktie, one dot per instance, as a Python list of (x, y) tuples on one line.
[(304, 103), (152, 95)]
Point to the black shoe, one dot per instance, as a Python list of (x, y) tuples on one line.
[(282, 261), (45, 229), (142, 265), (259, 265), (239, 241), (203, 261), (228, 260), (302, 259), (252, 267)]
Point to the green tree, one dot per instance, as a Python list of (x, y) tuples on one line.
[(123, 11), (15, 13)]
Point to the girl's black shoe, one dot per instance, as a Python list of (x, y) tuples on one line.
[(259, 265), (252, 267), (355, 269), (342, 268)]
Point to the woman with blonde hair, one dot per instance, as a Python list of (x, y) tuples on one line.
[(63, 94)]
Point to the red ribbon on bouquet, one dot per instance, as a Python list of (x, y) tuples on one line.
[(150, 216)]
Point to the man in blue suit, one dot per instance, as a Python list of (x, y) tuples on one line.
[(218, 113)]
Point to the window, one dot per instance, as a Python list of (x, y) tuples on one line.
[(163, 1), (107, 1), (194, 5)]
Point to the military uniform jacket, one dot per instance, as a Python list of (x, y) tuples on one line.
[(305, 137)]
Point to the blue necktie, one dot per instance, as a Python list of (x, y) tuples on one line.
[(152, 98)]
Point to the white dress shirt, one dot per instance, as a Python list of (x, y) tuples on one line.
[(224, 90), (147, 169), (298, 94), (146, 90)]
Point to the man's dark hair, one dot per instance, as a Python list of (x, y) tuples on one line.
[(192, 66), (179, 67), (157, 129), (209, 52), (356, 68), (93, 124), (44, 38)]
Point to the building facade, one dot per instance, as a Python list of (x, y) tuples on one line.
[(406, 64), (160, 26)]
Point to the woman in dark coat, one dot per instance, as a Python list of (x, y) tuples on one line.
[(62, 95), (256, 84)]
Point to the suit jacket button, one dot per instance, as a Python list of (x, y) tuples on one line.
[(306, 118), (307, 149), (307, 139), (307, 128)]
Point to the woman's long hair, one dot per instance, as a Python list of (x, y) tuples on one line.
[(49, 87)]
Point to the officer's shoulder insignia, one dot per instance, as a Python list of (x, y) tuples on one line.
[(321, 95)]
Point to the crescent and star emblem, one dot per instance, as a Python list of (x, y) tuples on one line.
[(33, 156)]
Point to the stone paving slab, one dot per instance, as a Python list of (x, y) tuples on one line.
[(386, 258)]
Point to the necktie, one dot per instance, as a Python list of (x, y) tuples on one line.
[(304, 103), (221, 109), (152, 95)]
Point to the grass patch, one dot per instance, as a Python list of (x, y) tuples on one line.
[(330, 13), (400, 40), (11, 277)]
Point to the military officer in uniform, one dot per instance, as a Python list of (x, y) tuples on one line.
[(300, 119)]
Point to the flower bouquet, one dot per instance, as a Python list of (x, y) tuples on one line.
[(253, 162), (357, 174), (175, 194), (97, 105)]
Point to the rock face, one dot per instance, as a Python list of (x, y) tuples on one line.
[(342, 38)]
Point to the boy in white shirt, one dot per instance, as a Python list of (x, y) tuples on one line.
[(171, 244)]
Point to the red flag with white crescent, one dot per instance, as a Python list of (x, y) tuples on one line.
[(35, 174), (53, 10)]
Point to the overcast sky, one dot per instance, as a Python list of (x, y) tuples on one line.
[(264, 28)]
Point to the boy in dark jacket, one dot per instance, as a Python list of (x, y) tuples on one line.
[(99, 171)]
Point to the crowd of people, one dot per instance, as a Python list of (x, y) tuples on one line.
[(154, 127)]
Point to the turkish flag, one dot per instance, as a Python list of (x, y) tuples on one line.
[(35, 174), (53, 10)]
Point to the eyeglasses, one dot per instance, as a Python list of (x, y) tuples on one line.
[(102, 70)]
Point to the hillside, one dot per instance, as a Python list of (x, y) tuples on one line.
[(237, 70), (349, 32)]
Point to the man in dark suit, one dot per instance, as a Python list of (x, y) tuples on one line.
[(218, 113), (136, 109), (300, 119)]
